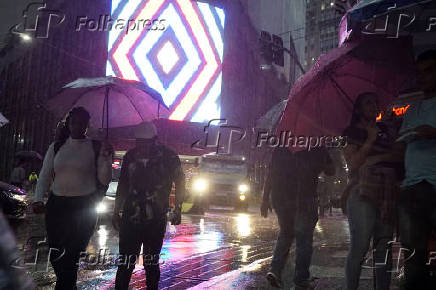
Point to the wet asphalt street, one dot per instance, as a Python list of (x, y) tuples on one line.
[(223, 249)]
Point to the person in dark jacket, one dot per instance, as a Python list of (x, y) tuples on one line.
[(292, 183), (142, 201)]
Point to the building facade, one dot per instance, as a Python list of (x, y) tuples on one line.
[(42, 68), (322, 22)]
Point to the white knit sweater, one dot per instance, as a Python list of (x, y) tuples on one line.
[(73, 169)]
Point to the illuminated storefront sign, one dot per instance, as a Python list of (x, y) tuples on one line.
[(379, 117), (180, 56), (400, 110)]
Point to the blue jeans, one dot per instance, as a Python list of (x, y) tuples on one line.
[(417, 217), (365, 223), (298, 223)]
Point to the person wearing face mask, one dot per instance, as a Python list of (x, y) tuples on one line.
[(74, 168), (371, 203)]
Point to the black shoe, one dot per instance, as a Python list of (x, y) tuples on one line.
[(274, 280), (307, 285)]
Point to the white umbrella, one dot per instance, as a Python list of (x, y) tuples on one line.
[(3, 120), (112, 102)]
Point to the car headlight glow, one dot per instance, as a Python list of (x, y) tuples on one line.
[(200, 185), (101, 208), (243, 188)]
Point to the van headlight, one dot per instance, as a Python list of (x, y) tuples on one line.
[(243, 188), (200, 185), (101, 207)]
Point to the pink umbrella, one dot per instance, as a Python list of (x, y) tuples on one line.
[(321, 102), (112, 102)]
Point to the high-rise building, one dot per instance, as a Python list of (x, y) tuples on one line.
[(285, 18), (322, 22)]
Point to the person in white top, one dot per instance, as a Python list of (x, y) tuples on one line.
[(75, 170)]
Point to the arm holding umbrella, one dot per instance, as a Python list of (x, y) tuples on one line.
[(122, 192), (104, 163), (356, 156)]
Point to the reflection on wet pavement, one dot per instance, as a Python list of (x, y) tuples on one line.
[(220, 250)]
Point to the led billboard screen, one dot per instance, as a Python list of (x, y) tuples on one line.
[(175, 47)]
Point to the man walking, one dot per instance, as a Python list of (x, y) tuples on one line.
[(417, 205), (147, 175), (292, 183)]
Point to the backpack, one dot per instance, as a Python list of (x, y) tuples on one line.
[(96, 146)]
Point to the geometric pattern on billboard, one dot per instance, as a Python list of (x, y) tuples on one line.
[(181, 57)]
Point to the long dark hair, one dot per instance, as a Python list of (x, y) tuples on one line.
[(357, 108)]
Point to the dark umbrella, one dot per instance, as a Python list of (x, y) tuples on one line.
[(28, 155), (321, 102), (112, 102)]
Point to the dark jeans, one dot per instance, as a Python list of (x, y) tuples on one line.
[(70, 223), (417, 217), (365, 223), (298, 222), (150, 235)]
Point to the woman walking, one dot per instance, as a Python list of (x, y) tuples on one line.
[(79, 168), (371, 202)]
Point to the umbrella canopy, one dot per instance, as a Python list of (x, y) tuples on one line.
[(112, 102), (3, 120), (321, 102), (270, 119), (28, 155)]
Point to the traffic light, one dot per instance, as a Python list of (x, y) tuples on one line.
[(278, 56), (266, 47)]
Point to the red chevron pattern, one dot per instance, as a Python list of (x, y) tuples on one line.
[(182, 61)]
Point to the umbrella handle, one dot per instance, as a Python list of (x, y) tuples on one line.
[(158, 109)]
